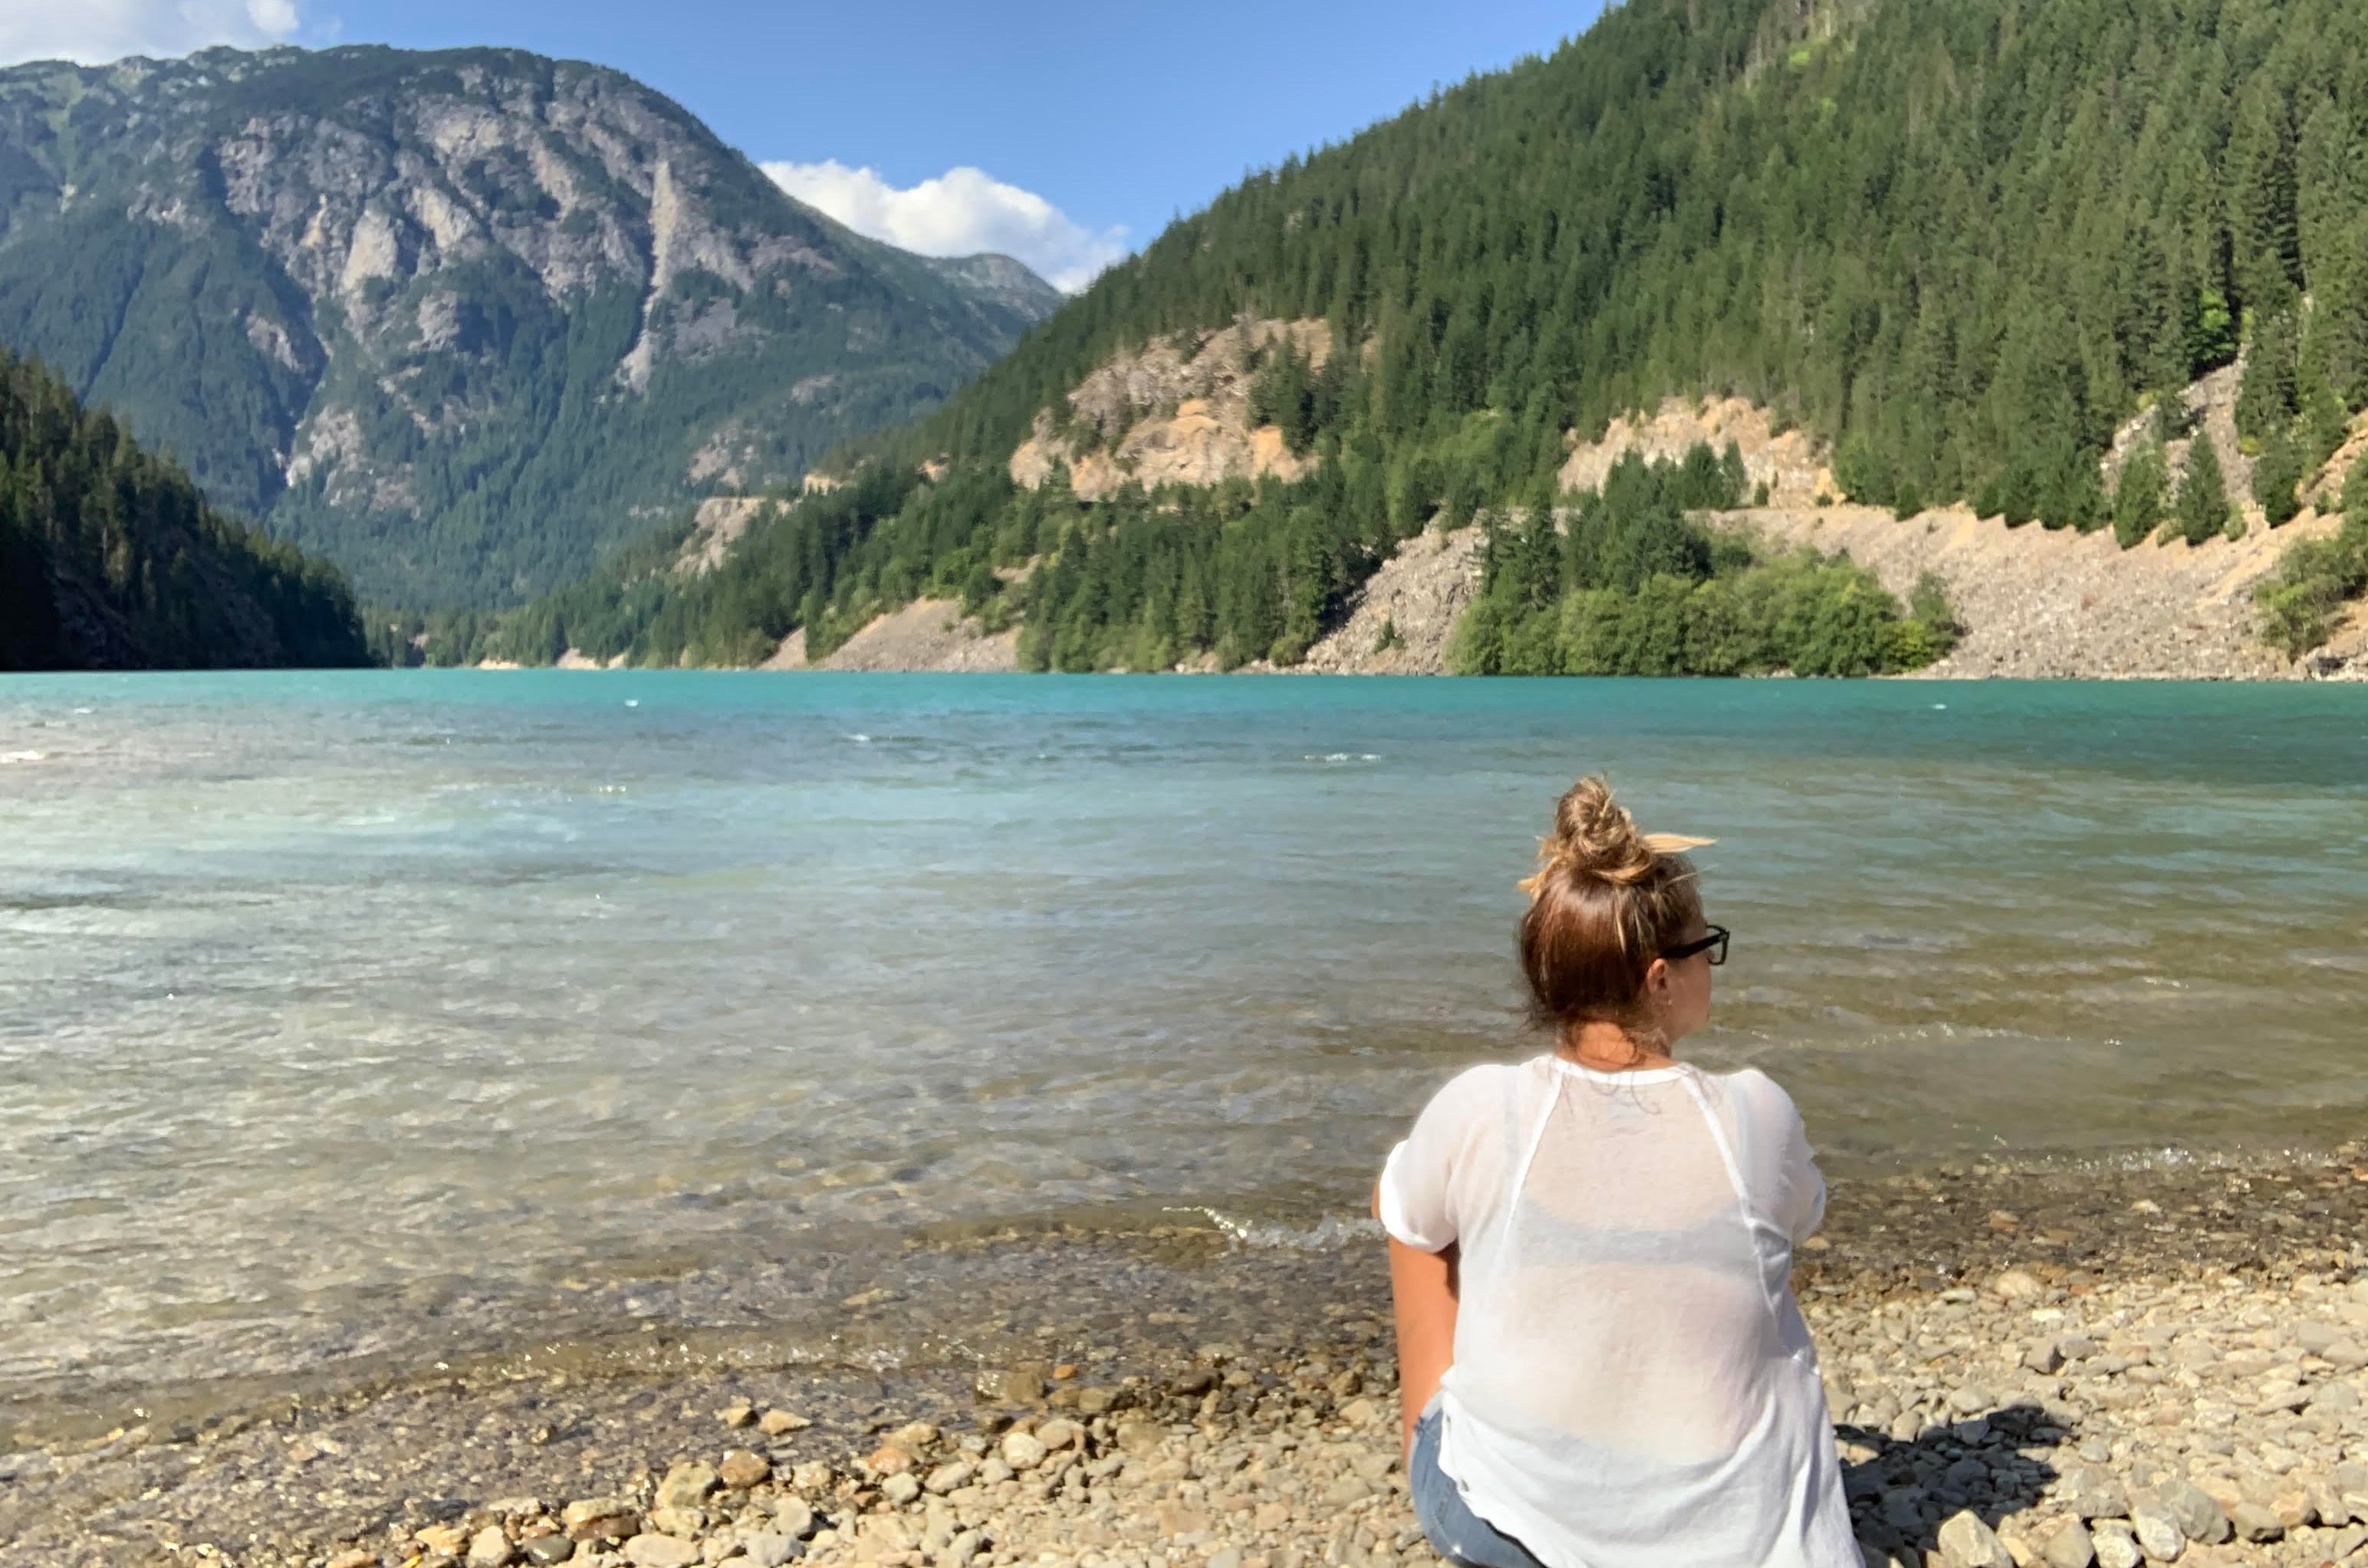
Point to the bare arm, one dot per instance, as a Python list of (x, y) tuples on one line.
[(1422, 1289)]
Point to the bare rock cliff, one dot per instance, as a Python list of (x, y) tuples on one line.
[(1173, 412)]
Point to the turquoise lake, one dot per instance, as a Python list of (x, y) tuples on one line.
[(344, 1015)]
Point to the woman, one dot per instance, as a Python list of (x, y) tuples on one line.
[(1601, 1363)]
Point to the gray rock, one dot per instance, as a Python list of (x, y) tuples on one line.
[(2066, 1544), (1022, 1450), (544, 1550), (661, 1551), (1967, 1543), (948, 1477), (900, 1488), (1228, 1558), (1972, 1399), (2118, 1551), (2092, 1491), (1349, 1488), (1141, 1436), (2159, 1534), (1903, 1509), (2193, 1509), (1965, 1475), (1010, 1385), (768, 1549), (2047, 1356), (687, 1485), (744, 1468), (2256, 1523), (685, 1522), (1192, 1380), (793, 1518), (610, 1516), (963, 1548)]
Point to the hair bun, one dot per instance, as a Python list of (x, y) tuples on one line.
[(1594, 836)]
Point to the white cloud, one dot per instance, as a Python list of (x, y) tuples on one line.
[(960, 212), (94, 31)]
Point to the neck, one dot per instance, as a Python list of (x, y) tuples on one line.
[(1609, 1048)]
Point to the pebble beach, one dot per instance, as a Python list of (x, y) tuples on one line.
[(2111, 1367)]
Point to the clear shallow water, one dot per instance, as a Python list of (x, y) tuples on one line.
[(349, 1015)]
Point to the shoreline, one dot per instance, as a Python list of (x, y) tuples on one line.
[(2319, 667), (2079, 1335)]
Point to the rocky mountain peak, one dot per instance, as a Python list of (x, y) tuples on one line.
[(416, 307)]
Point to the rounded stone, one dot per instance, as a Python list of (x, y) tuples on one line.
[(742, 1468), (661, 1551)]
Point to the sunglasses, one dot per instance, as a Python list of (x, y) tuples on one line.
[(1714, 945)]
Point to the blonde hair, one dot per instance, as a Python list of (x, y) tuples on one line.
[(1604, 902)]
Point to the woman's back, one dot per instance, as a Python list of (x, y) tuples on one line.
[(1630, 1381)]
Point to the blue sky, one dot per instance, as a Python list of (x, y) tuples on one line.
[(1088, 125)]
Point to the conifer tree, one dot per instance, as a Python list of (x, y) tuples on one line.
[(2264, 199), (2138, 498), (2266, 402), (2202, 510)]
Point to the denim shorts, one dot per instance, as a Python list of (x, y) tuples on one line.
[(1456, 1533)]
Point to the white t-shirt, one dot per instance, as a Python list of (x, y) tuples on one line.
[(1633, 1383)]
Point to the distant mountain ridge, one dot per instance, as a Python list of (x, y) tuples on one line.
[(457, 320)]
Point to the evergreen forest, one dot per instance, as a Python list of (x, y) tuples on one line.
[(110, 558), (1963, 241)]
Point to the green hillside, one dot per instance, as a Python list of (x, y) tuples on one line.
[(460, 320), (1962, 238), (111, 559)]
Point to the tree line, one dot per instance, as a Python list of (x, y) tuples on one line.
[(110, 558)]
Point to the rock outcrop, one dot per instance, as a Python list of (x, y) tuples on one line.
[(1174, 412), (1401, 620), (928, 634), (715, 527), (1791, 464)]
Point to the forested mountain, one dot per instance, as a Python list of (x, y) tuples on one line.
[(457, 320), (1962, 240), (110, 559)]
